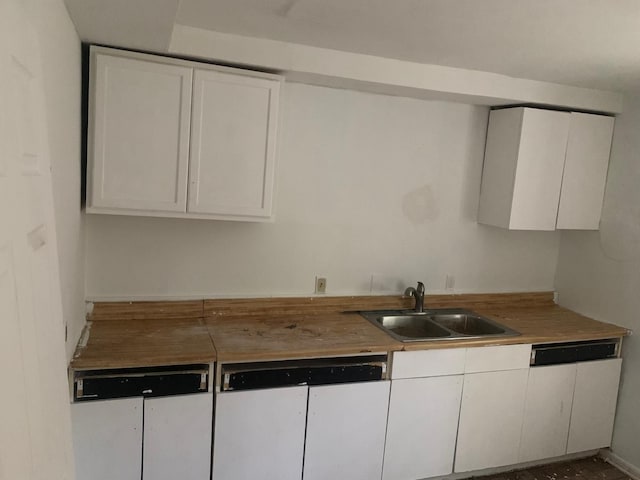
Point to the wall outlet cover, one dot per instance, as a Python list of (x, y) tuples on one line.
[(321, 285)]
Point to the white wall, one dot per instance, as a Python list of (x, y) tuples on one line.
[(367, 184), (60, 47), (599, 272)]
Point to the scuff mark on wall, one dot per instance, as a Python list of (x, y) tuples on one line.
[(420, 205)]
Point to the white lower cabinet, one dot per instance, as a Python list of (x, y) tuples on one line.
[(107, 439), (491, 417), (569, 408), (177, 437), (336, 431), (547, 412), (259, 434), (346, 427), (594, 405), (422, 427)]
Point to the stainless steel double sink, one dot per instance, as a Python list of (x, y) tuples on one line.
[(436, 324)]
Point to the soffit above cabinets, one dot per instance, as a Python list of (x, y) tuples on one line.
[(321, 43)]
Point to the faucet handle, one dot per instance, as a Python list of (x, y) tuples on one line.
[(420, 288)]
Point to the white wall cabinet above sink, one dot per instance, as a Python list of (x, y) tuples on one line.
[(544, 169), (175, 138)]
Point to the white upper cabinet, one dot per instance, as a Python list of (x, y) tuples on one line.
[(585, 171), (544, 169), (140, 135), (523, 164), (176, 138), (233, 144)]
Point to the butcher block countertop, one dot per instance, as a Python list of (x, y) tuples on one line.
[(125, 334), (264, 337), (142, 334)]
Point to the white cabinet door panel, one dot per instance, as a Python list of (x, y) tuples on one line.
[(422, 427), (499, 168), (177, 437), (594, 405), (259, 434), (428, 363), (585, 171), (232, 144), (107, 439), (491, 419), (140, 116), (503, 357), (547, 412), (539, 172), (522, 173), (346, 428)]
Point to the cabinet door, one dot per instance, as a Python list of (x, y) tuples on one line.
[(522, 172), (346, 428), (491, 419), (538, 179), (232, 144), (422, 427), (107, 439), (177, 437), (139, 138), (594, 405), (260, 434), (585, 171), (547, 412)]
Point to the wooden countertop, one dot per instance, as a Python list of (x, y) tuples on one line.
[(240, 330), (297, 336), (265, 337), (144, 342), (549, 324)]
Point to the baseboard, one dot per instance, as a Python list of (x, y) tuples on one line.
[(621, 464)]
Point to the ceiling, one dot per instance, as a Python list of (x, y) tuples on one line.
[(587, 43)]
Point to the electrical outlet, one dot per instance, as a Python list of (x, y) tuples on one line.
[(321, 285), (450, 282)]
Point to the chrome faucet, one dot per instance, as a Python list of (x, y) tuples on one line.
[(418, 294)]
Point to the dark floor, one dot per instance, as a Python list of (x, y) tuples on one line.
[(592, 468)]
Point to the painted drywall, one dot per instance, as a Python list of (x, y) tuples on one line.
[(599, 272), (367, 185), (60, 47)]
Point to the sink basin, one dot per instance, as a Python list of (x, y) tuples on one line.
[(437, 324), (412, 326), (467, 323)]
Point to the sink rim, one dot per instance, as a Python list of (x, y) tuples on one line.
[(373, 317)]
